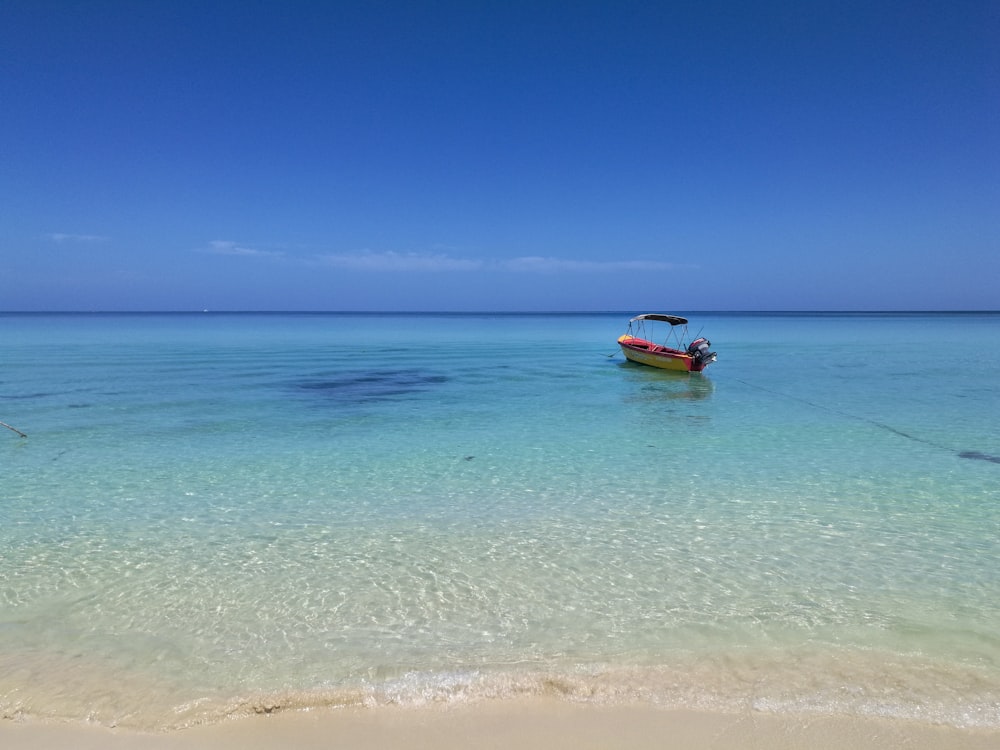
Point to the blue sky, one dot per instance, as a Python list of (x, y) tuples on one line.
[(479, 155)]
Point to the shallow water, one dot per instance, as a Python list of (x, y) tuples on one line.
[(215, 514)]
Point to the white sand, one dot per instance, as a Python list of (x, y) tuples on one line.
[(527, 725)]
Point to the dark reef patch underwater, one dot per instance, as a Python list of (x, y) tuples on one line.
[(980, 456), (370, 387)]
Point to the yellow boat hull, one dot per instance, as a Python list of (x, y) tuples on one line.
[(644, 352)]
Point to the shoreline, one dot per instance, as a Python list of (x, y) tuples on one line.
[(531, 724)]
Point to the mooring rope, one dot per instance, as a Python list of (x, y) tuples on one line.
[(976, 455), (13, 429)]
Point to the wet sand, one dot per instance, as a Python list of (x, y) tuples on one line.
[(525, 724)]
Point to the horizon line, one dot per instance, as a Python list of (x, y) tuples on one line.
[(735, 311)]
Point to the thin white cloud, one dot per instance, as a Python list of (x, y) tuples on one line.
[(228, 247), (441, 262), (64, 237), (537, 264), (392, 261)]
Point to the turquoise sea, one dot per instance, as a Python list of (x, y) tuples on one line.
[(215, 514)]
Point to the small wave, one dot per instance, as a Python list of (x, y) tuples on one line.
[(918, 693)]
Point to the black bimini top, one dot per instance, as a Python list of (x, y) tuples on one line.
[(674, 320)]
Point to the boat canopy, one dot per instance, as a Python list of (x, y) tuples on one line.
[(674, 320)]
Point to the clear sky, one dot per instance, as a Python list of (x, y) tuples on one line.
[(499, 155)]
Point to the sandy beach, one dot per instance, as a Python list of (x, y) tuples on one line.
[(527, 724)]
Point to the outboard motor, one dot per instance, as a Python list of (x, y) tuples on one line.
[(698, 349)]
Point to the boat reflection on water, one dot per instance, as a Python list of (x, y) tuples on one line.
[(666, 385)]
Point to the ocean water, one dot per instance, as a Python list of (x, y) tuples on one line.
[(219, 514)]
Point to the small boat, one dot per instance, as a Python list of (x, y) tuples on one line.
[(638, 344)]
